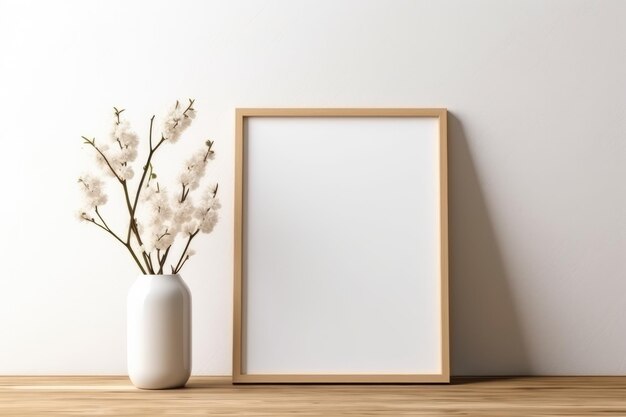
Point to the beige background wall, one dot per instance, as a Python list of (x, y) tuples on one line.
[(537, 99)]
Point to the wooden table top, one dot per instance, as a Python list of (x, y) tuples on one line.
[(216, 396)]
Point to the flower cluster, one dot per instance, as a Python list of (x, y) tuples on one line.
[(207, 211), (94, 196), (116, 159), (93, 191), (161, 230), (173, 216), (177, 120), (163, 216), (195, 167)]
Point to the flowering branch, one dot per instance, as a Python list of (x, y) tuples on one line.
[(92, 142), (208, 218), (162, 261), (145, 172), (170, 218), (184, 254), (107, 229)]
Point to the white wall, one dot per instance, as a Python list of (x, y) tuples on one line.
[(537, 98)]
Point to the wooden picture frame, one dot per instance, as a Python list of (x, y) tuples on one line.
[(269, 149)]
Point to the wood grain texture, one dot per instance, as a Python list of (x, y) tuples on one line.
[(340, 112), (443, 242), (211, 396)]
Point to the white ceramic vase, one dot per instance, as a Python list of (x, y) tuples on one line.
[(159, 332)]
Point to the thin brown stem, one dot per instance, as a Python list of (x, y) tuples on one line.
[(209, 151), (132, 226), (189, 107), (150, 133), (145, 170), (148, 262), (127, 246), (93, 144), (132, 253), (182, 193), (163, 259), (106, 226), (132, 208), (106, 229), (180, 263)]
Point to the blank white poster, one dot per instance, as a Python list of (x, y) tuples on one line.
[(341, 246)]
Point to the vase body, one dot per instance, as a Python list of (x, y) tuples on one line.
[(159, 332)]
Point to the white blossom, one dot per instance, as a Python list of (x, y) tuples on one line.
[(128, 154), (209, 201), (194, 171), (209, 221), (124, 149), (157, 197), (161, 230), (125, 138), (83, 216), (184, 216), (125, 172), (160, 215), (102, 163), (163, 236), (116, 159), (149, 191), (190, 227), (195, 167), (93, 193), (177, 120), (183, 211), (206, 212), (214, 203)]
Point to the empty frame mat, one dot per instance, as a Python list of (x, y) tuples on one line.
[(341, 246)]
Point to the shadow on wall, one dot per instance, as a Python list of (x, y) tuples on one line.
[(486, 336)]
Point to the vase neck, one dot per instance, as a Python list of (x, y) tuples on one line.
[(160, 275)]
